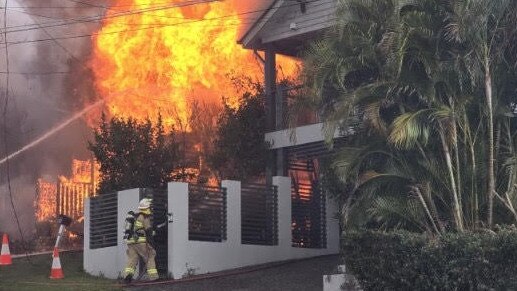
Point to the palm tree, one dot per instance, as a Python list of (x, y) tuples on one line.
[(483, 46), (375, 65), (411, 72)]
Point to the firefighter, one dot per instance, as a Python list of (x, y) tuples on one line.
[(139, 243)]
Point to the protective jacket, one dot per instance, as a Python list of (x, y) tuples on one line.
[(142, 229)]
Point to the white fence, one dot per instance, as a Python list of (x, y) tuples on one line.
[(187, 257)]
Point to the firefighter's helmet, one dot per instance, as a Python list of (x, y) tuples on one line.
[(145, 203)]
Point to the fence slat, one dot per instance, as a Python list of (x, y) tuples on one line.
[(207, 213), (308, 216), (259, 217), (103, 221)]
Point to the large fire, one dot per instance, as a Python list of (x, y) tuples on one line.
[(46, 201), (67, 195), (155, 56)]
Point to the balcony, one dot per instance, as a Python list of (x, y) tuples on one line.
[(290, 127)]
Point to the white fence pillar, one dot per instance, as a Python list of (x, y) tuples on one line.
[(178, 229), (284, 211), (233, 212), (87, 265)]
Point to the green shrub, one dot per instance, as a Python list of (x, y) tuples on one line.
[(407, 261)]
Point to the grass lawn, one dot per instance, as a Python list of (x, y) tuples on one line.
[(34, 275)]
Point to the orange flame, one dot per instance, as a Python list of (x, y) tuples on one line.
[(159, 56), (66, 196), (46, 200), (82, 172)]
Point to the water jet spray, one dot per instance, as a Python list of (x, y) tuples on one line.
[(52, 131)]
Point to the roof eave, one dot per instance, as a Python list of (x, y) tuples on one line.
[(249, 39)]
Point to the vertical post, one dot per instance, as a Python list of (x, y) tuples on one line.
[(86, 235), (280, 101), (233, 219), (270, 88), (332, 225), (86, 224), (178, 230), (281, 168), (58, 197), (92, 177), (67, 203), (284, 211), (72, 199), (62, 203), (280, 122)]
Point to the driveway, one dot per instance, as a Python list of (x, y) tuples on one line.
[(297, 275)]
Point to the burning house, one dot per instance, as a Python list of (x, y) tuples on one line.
[(66, 196), (234, 224)]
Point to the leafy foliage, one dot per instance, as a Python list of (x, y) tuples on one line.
[(401, 260), (133, 154), (426, 95), (239, 149)]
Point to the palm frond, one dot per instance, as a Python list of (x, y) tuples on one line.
[(410, 128)]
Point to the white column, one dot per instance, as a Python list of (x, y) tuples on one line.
[(86, 235), (127, 201), (233, 212), (284, 211), (178, 229)]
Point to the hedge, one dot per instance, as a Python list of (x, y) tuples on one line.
[(407, 261)]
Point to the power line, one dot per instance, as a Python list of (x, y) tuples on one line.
[(84, 3), (128, 5), (104, 33), (100, 17), (33, 73), (111, 8), (156, 26), (59, 20), (145, 28), (44, 16), (73, 21), (34, 14)]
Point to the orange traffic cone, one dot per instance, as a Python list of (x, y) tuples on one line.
[(56, 272), (5, 254)]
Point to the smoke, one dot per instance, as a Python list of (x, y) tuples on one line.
[(48, 82), (24, 188)]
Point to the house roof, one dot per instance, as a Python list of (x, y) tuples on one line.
[(249, 37), (289, 25)]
